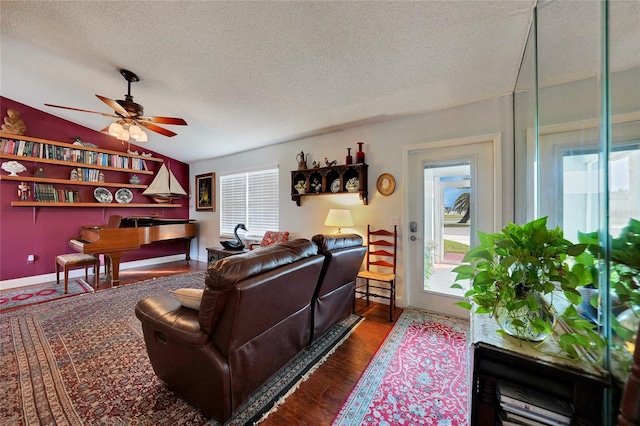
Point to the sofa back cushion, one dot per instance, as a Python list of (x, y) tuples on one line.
[(333, 298), (224, 274), (330, 242)]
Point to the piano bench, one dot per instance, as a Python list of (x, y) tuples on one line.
[(76, 260)]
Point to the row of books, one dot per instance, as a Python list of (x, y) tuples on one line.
[(54, 152), (87, 175), (45, 192), (520, 405)]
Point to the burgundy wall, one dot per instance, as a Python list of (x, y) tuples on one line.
[(44, 231)]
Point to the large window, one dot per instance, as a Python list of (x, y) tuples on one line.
[(250, 198)]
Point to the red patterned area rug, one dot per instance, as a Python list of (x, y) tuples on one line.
[(418, 376), (82, 361), (43, 293)]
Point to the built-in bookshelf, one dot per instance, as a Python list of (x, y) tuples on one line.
[(87, 163)]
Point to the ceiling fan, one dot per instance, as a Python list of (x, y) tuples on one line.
[(129, 114)]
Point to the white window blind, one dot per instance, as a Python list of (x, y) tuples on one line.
[(250, 198)]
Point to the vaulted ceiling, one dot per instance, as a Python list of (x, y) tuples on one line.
[(250, 74)]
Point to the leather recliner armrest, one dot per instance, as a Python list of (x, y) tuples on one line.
[(166, 315)]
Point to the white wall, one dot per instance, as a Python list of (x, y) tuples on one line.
[(383, 143)]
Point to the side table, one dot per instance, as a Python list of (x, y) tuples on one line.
[(216, 253), (494, 358)]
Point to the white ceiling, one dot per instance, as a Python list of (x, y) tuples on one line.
[(249, 74)]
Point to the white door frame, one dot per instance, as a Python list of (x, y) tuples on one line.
[(496, 140)]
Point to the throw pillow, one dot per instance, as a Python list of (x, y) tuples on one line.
[(188, 297)]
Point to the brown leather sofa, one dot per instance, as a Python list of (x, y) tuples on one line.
[(334, 296), (259, 309)]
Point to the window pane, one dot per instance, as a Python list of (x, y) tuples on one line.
[(250, 198)]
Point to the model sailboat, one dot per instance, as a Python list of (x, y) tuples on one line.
[(165, 187)]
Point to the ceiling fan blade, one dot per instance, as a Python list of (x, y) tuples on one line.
[(82, 110), (115, 106), (164, 120), (156, 129)]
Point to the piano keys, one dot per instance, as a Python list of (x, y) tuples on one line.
[(129, 234)]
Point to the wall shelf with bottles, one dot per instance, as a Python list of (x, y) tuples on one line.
[(345, 179)]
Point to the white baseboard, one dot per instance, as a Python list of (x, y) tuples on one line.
[(74, 273)]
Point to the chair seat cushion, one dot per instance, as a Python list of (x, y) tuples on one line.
[(378, 276), (71, 258)]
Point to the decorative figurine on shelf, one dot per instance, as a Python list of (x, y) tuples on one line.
[(40, 172), (302, 160), (301, 187), (316, 186), (316, 164), (24, 192), (349, 159), (236, 244), (13, 123), (353, 185), (13, 167), (330, 163), (76, 195), (100, 177), (134, 180), (74, 175), (360, 154)]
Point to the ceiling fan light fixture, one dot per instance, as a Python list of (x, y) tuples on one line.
[(115, 129), (134, 131), (124, 135), (142, 137)]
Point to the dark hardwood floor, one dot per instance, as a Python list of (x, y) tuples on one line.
[(317, 400)]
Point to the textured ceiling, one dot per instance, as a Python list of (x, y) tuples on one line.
[(249, 74)]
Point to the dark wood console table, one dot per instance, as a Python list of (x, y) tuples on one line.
[(495, 358), (217, 253)]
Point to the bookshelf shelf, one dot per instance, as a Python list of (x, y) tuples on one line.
[(87, 160), (101, 205), (71, 182)]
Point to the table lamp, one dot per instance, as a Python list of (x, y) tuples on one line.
[(339, 218)]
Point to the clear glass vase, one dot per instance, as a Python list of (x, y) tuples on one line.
[(519, 322)]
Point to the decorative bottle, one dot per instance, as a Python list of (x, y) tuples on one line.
[(360, 154), (349, 157)]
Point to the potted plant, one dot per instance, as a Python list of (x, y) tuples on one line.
[(513, 276), (624, 285)]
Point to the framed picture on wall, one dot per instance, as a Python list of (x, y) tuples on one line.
[(206, 192)]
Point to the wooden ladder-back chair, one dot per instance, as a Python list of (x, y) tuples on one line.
[(381, 266)]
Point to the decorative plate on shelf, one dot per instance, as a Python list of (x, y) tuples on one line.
[(124, 196), (386, 184), (103, 195), (335, 185)]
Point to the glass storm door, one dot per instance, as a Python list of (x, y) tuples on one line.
[(451, 196)]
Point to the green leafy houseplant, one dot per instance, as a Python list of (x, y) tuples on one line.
[(509, 272), (624, 285)]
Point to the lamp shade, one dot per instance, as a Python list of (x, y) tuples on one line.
[(339, 218)]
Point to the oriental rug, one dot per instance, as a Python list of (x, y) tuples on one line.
[(42, 293), (418, 376), (83, 361)]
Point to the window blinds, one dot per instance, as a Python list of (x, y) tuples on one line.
[(250, 198)]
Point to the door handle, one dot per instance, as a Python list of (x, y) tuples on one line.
[(413, 238)]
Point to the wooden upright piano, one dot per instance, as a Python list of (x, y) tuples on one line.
[(121, 235)]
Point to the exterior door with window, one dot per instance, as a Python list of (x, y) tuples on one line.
[(451, 196)]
